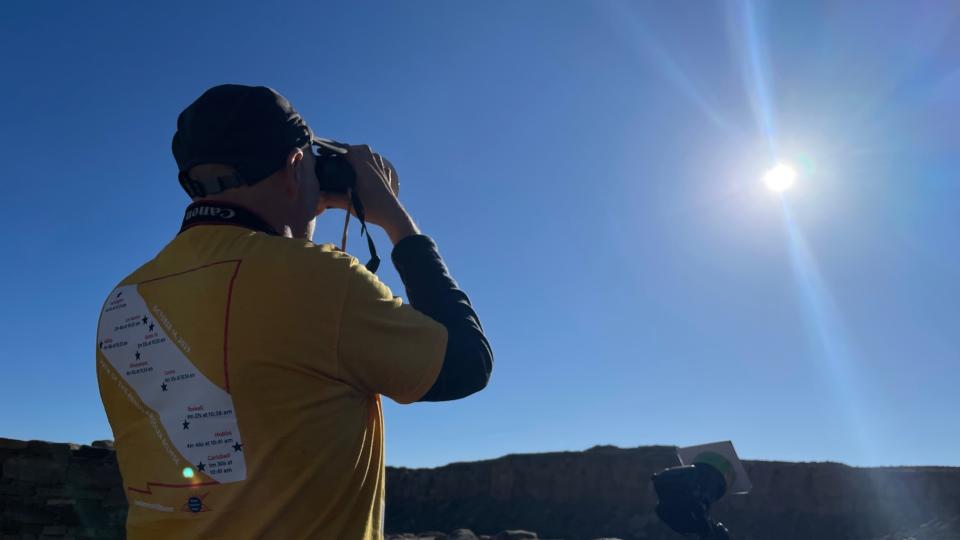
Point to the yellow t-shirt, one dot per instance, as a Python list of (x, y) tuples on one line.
[(241, 373)]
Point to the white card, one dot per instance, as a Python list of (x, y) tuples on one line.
[(741, 483)]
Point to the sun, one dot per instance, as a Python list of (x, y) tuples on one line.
[(780, 178)]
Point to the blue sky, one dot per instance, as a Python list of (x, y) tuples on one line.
[(591, 172)]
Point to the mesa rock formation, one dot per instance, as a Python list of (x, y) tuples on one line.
[(53, 490), (606, 492)]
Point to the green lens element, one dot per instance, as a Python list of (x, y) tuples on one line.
[(720, 463)]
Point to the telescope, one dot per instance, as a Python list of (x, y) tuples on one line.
[(686, 492)]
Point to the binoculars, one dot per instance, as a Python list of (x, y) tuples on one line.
[(335, 173)]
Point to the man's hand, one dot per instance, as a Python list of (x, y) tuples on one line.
[(377, 188)]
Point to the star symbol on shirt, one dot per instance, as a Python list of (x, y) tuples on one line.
[(163, 387), (144, 319), (238, 447), (137, 355), (201, 466), (151, 327), (186, 425)]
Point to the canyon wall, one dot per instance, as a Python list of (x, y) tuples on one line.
[(606, 491), (58, 491)]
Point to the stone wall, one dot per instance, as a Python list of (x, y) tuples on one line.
[(59, 491), (53, 491)]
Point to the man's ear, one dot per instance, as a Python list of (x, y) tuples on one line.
[(291, 182)]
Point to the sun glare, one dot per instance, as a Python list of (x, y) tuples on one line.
[(780, 178)]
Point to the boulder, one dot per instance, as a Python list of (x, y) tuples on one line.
[(516, 534)]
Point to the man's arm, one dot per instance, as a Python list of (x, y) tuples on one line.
[(431, 290)]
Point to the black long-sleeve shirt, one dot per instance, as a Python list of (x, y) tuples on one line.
[(432, 291)]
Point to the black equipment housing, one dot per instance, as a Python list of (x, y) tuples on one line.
[(685, 494), (335, 174)]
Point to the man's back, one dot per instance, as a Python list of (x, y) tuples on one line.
[(241, 374)]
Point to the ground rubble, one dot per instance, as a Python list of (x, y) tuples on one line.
[(467, 534)]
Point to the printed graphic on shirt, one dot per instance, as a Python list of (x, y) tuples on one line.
[(195, 504), (198, 415)]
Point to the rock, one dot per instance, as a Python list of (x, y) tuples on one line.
[(604, 492), (938, 529), (97, 474), (34, 470), (13, 489), (463, 534), (430, 535), (12, 444), (92, 452), (516, 534)]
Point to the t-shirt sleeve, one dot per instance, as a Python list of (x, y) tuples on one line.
[(386, 346)]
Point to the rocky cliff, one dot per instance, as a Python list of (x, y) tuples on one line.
[(60, 491), (606, 491), (52, 491)]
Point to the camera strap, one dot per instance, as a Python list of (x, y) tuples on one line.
[(221, 213), (374, 263)]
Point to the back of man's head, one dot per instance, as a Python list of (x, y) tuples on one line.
[(250, 128), (248, 145)]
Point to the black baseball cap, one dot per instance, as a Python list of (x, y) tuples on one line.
[(252, 128)]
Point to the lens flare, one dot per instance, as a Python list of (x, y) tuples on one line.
[(780, 178), (188, 472)]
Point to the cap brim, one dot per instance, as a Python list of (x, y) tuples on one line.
[(330, 144)]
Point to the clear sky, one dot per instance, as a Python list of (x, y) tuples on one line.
[(591, 172)]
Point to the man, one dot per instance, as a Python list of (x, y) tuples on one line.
[(241, 369)]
